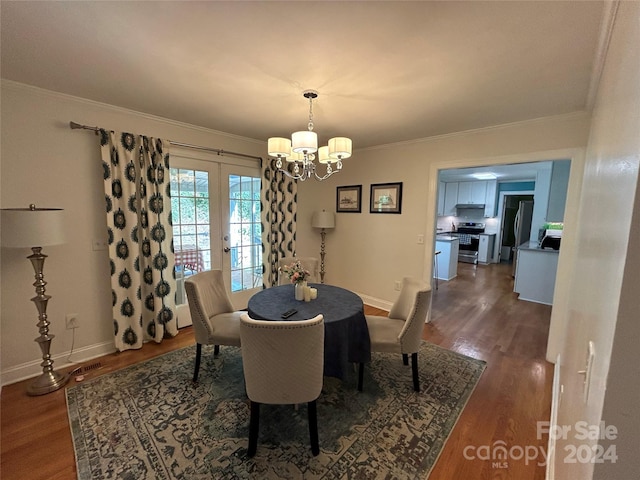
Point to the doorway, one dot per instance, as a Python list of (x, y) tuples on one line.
[(215, 208)]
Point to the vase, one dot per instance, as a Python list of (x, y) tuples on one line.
[(299, 289)]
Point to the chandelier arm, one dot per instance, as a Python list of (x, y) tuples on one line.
[(294, 177), (327, 175)]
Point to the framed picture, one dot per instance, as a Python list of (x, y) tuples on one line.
[(386, 198), (349, 198)]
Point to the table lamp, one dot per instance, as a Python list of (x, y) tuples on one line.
[(323, 220), (24, 228)]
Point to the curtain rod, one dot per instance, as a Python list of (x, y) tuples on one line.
[(77, 126)]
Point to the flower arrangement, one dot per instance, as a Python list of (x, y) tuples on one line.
[(295, 272)]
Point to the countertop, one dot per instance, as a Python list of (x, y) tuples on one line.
[(445, 237), (535, 247)]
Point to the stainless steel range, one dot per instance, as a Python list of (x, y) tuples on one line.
[(469, 237)]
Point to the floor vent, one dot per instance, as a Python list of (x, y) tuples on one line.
[(93, 366)]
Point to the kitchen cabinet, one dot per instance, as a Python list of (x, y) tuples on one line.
[(481, 192), (446, 262), (472, 192), (558, 190), (485, 247), (441, 189), (535, 278), (450, 199), (490, 198)]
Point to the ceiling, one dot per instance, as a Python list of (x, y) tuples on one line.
[(506, 172), (386, 72)]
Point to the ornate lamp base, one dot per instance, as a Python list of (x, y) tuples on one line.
[(47, 382)]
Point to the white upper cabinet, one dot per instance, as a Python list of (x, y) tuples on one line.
[(450, 198), (441, 187), (480, 192), (490, 199), (472, 192)]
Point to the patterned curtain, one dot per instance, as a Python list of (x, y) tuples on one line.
[(279, 209), (137, 194)]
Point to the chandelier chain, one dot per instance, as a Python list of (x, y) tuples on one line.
[(310, 114)]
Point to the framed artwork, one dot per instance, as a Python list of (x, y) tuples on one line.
[(349, 198), (386, 198)]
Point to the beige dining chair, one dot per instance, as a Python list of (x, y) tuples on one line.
[(401, 331), (283, 363), (308, 263), (215, 322)]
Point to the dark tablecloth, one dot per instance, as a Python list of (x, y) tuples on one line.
[(346, 333)]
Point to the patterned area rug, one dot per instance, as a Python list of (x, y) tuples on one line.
[(149, 421)]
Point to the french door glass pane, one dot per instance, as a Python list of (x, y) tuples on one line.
[(245, 232), (191, 228)]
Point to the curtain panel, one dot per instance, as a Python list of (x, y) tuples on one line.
[(140, 235), (279, 210)]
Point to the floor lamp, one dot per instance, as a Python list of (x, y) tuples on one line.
[(24, 228), (323, 220)]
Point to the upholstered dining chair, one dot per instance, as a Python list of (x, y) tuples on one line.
[(283, 364), (308, 263), (214, 320), (401, 331)]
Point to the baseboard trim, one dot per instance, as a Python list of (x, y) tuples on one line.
[(32, 369), (375, 302)]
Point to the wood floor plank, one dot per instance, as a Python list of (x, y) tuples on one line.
[(476, 314)]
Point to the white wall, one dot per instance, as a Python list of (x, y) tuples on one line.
[(46, 163), (368, 252), (603, 299)]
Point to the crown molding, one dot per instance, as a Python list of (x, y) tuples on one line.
[(610, 9), (10, 84)]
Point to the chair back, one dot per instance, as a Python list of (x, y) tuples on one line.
[(412, 306), (207, 297), (283, 361), (308, 263)]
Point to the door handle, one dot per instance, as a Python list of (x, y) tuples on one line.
[(226, 249)]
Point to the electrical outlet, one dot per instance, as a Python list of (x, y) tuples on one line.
[(72, 321), (397, 285)]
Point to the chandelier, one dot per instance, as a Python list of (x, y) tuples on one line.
[(302, 147)]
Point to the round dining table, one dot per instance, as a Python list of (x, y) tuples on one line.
[(346, 338)]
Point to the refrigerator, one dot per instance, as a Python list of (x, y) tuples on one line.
[(521, 228)]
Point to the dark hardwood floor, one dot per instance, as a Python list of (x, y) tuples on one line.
[(476, 314)]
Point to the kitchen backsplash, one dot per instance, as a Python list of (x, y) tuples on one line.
[(491, 225)]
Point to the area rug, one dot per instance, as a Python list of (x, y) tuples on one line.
[(149, 421)]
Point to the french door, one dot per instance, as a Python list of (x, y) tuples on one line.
[(215, 210)]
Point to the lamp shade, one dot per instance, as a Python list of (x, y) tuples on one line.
[(340, 147), (279, 147), (304, 141), (323, 219), (323, 155), (295, 157), (32, 227)]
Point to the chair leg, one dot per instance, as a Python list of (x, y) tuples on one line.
[(216, 350), (313, 427), (198, 355), (360, 376), (405, 359), (253, 428), (414, 368)]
